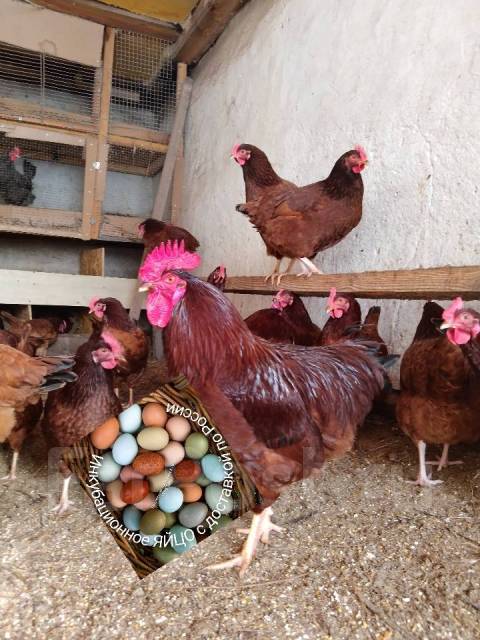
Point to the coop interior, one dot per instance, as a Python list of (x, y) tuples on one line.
[(113, 112)]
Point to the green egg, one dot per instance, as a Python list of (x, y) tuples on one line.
[(165, 554), (203, 481), (170, 519), (196, 445), (152, 521)]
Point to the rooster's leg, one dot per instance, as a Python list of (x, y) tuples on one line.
[(444, 461), (64, 503), (310, 267), (13, 468), (423, 480), (259, 530), (286, 272), (275, 271)]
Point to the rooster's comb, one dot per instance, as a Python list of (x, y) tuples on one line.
[(165, 257), (449, 314), (361, 152)]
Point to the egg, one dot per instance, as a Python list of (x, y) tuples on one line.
[(220, 523), (154, 415), (124, 449), (178, 428), (165, 554), (160, 481), (112, 491), (191, 515), (187, 471), (153, 438), (183, 538), (109, 470), (196, 445), (105, 435), (191, 491), (130, 419), (213, 493), (173, 453), (212, 467), (170, 519), (153, 521), (148, 540), (148, 502), (129, 473), (170, 500), (134, 490), (203, 481), (149, 463), (131, 517)]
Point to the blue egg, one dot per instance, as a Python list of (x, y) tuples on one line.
[(148, 541), (131, 517), (213, 493), (170, 500), (124, 449), (130, 419), (183, 539), (109, 469), (212, 467)]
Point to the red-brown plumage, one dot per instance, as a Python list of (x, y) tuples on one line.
[(347, 326), (369, 330), (43, 332), (154, 232)]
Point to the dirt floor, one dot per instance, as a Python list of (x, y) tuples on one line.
[(364, 555)]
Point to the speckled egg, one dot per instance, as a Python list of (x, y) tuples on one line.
[(154, 415), (203, 481), (153, 438), (160, 481), (196, 445), (213, 493), (113, 490), (191, 491), (153, 521), (131, 517), (183, 538), (212, 467), (125, 449), (149, 463), (134, 490), (170, 500), (148, 502), (178, 428), (130, 419), (129, 473), (105, 435), (187, 471), (165, 554), (191, 515), (173, 453), (109, 470)]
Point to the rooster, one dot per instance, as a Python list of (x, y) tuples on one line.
[(75, 411), (287, 320), (43, 331), (111, 320), (298, 222), (439, 401), (154, 232), (283, 408), (16, 188), (23, 381), (345, 318)]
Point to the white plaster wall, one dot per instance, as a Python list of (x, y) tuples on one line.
[(305, 81)]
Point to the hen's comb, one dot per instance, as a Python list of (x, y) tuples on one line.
[(449, 314), (165, 257), (331, 297), (361, 152), (92, 303), (234, 151)]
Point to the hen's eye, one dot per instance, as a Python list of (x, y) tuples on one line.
[(170, 279)]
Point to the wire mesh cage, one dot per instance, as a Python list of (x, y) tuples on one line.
[(143, 83), (40, 85), (132, 180), (40, 174)]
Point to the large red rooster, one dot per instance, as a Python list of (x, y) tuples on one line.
[(283, 408)]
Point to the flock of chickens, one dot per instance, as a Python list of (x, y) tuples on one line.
[(286, 394)]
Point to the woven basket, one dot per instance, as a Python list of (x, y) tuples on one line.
[(180, 393)]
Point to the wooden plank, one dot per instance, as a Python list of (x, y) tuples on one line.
[(124, 141), (92, 261), (88, 217), (111, 17), (161, 198), (120, 228), (60, 289), (168, 10), (137, 133), (29, 132), (440, 283), (67, 37), (178, 172)]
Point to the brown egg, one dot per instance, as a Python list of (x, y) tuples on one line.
[(191, 491), (149, 463), (134, 490), (128, 473), (178, 428), (113, 491), (154, 415), (105, 435), (187, 471)]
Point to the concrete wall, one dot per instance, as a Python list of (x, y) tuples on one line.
[(305, 81)]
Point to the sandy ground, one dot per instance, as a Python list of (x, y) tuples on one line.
[(364, 555)]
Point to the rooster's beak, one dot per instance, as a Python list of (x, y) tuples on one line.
[(446, 325), (146, 286)]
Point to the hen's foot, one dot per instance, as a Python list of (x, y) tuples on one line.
[(425, 482), (274, 273), (13, 469), (443, 461), (266, 528), (309, 268), (8, 477), (62, 506)]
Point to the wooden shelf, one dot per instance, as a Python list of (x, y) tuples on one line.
[(440, 283)]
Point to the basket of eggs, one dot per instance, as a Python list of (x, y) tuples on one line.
[(161, 476)]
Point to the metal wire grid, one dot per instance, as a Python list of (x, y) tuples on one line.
[(45, 86), (144, 82), (47, 175)]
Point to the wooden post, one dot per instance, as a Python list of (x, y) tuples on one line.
[(92, 261), (179, 162), (89, 186)]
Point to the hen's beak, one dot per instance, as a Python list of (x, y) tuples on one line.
[(446, 325)]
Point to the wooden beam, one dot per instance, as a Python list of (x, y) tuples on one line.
[(92, 261), (120, 228), (88, 217), (124, 141), (177, 188), (439, 283), (61, 289), (204, 26), (161, 199), (112, 17)]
